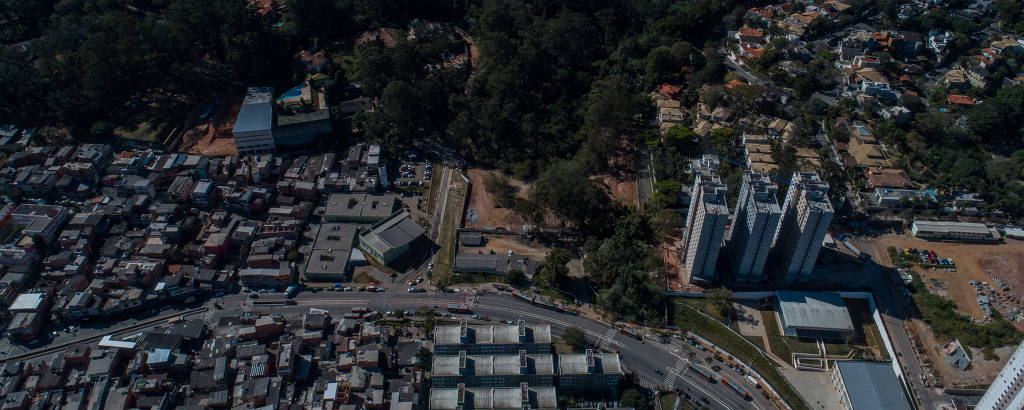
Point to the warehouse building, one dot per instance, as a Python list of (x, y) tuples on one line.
[(493, 370), (957, 231), (360, 208), (492, 339), (331, 253), (589, 372), (868, 385), (814, 314), (389, 239), (522, 397)]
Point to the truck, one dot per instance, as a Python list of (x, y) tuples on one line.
[(291, 291), (459, 308)]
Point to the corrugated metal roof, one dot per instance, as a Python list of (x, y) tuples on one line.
[(256, 113), (872, 386), (818, 310)]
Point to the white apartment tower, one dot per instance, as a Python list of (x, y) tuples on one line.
[(1007, 390), (753, 228), (806, 215), (705, 222)]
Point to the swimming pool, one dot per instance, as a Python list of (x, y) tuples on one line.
[(293, 93)]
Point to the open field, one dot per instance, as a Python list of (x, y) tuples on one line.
[(1004, 260), (146, 131), (488, 212)]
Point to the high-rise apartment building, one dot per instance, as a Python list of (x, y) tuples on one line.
[(753, 228), (705, 221), (1007, 390), (806, 215)]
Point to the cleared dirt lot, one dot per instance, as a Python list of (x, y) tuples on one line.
[(621, 189), (488, 214), (1005, 260), (211, 135), (505, 243)]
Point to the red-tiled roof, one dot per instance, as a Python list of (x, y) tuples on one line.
[(960, 99), (750, 31), (735, 83), (668, 89)]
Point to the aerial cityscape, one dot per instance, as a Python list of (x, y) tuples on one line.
[(511, 204)]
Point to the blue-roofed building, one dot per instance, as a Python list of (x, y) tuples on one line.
[(868, 385), (253, 129)]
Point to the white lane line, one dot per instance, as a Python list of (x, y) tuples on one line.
[(675, 371), (566, 324), (308, 302)]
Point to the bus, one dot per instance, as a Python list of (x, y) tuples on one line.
[(360, 309), (630, 332), (736, 387), (703, 373), (459, 308)]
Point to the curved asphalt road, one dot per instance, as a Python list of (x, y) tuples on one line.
[(640, 357)]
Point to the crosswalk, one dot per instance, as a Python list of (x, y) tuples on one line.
[(606, 339), (675, 372)]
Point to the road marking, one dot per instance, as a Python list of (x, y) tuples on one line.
[(608, 337), (675, 371), (308, 302), (694, 383)]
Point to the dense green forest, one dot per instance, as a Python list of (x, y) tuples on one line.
[(557, 94)]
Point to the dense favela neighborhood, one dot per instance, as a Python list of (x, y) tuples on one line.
[(511, 204)]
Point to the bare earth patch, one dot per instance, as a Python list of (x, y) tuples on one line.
[(1005, 260), (212, 134), (488, 212)]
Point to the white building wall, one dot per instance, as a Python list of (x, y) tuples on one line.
[(753, 230), (807, 214), (705, 228), (1006, 393), (254, 142)]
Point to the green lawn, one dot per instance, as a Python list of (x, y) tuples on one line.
[(668, 401), (145, 131), (435, 183), (784, 346), (446, 238), (874, 339)]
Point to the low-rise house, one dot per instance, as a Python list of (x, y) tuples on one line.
[(901, 198), (494, 264), (888, 178)]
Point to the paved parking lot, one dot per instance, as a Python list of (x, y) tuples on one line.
[(414, 173)]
